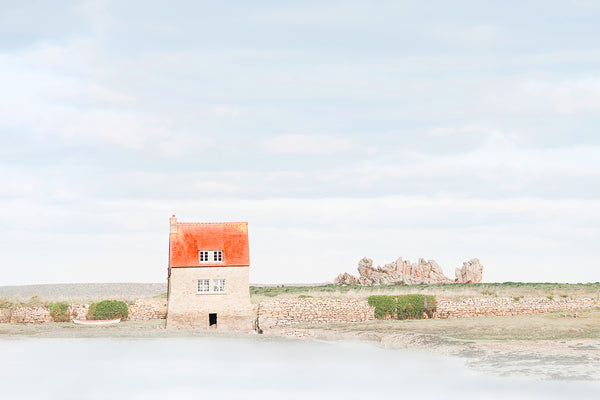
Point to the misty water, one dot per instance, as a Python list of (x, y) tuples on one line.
[(250, 368)]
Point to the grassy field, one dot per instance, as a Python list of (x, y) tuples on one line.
[(453, 291), (85, 293), (549, 326)]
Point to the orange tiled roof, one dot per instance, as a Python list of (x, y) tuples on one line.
[(230, 237)]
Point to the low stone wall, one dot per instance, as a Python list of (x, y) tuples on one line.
[(141, 310), (25, 315), (284, 312), (501, 306), (289, 311), (147, 310)]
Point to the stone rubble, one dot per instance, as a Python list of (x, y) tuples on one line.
[(402, 272)]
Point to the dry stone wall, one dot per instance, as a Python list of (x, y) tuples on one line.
[(147, 310), (25, 315), (502, 306), (290, 311), (141, 310), (284, 312)]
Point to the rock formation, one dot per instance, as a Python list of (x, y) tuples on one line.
[(471, 272), (402, 272)]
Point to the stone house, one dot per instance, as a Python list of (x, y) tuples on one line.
[(208, 276)]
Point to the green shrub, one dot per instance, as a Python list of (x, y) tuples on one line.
[(59, 311), (411, 306), (108, 309), (384, 305), (550, 297), (430, 305)]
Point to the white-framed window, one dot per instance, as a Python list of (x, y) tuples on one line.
[(219, 285), (210, 256), (203, 285), (209, 286), (203, 255)]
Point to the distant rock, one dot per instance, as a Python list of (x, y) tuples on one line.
[(403, 272), (471, 272)]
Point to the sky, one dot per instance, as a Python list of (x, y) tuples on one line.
[(337, 129)]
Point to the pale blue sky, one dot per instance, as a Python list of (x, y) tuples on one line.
[(338, 129)]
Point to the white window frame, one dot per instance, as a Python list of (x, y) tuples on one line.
[(203, 256), (203, 285), (215, 286), (218, 285), (210, 256), (218, 256)]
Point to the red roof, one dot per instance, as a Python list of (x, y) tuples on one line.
[(191, 237)]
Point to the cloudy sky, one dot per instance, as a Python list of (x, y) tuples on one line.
[(337, 129)]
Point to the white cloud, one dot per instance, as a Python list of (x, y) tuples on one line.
[(453, 131), (118, 128), (517, 239), (470, 36), (307, 144), (577, 97), (232, 112)]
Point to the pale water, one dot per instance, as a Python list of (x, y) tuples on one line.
[(252, 368)]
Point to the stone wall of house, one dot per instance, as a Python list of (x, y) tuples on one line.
[(284, 312), (190, 309)]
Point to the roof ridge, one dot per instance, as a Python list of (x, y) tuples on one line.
[(208, 223)]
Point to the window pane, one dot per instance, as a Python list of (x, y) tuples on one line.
[(203, 285), (219, 285)]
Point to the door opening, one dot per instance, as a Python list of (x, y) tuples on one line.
[(212, 320)]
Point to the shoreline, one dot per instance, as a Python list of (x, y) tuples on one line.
[(550, 359)]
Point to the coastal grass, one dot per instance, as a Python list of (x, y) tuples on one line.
[(562, 325), (454, 291)]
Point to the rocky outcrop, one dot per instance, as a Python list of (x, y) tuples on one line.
[(471, 272), (403, 272)]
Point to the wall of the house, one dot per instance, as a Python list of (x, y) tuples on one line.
[(189, 309)]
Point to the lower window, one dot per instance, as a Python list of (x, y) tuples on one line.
[(219, 285), (203, 285)]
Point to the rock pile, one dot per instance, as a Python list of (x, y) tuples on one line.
[(471, 272), (402, 272)]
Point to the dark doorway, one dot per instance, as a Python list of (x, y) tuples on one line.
[(212, 320)]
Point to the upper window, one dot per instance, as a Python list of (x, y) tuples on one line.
[(203, 255), (210, 256), (218, 256)]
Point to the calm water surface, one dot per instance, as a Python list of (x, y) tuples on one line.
[(253, 368)]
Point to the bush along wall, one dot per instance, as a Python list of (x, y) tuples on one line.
[(410, 306), (385, 306), (108, 309), (59, 311)]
